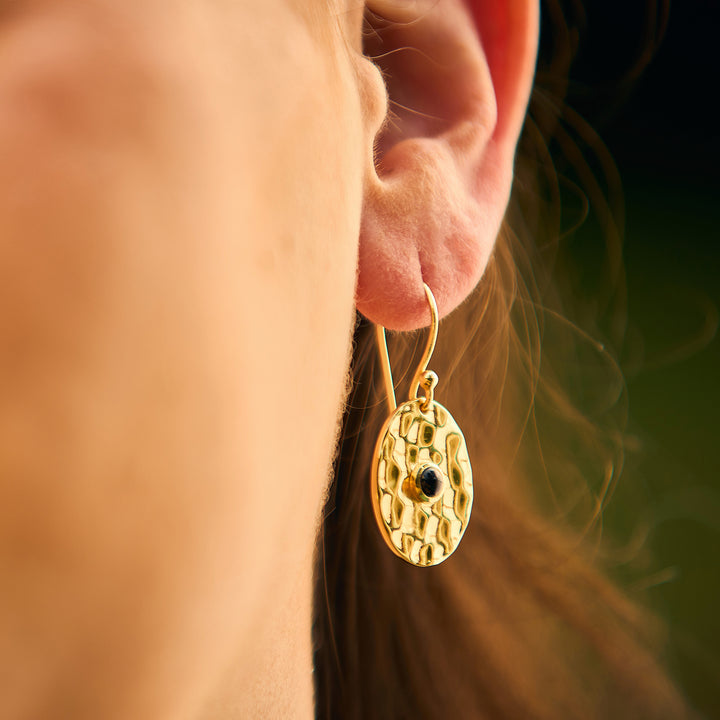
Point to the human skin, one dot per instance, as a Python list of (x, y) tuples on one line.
[(184, 195)]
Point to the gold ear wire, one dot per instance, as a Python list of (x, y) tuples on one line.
[(421, 374), (421, 480), (385, 364), (422, 377)]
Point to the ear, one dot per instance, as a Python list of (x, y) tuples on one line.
[(458, 76)]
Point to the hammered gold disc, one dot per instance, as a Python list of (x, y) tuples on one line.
[(421, 532)]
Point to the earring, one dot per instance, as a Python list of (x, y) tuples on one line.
[(421, 483)]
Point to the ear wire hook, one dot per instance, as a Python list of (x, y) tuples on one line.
[(387, 372), (427, 379)]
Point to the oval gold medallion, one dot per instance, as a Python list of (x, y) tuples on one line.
[(422, 487)]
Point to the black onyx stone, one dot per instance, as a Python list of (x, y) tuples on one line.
[(430, 482)]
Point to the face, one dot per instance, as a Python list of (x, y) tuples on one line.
[(301, 141), (201, 178), (278, 281)]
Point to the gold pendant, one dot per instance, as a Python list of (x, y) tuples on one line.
[(421, 484)]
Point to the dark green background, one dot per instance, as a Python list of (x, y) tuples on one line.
[(662, 130)]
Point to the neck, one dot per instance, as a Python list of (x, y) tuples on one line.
[(277, 682)]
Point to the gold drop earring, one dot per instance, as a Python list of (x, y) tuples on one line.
[(421, 482)]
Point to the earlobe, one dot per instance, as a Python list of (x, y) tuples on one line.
[(458, 76)]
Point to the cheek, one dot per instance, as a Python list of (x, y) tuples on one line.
[(298, 304), (208, 365)]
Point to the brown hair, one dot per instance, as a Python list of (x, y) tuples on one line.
[(517, 624)]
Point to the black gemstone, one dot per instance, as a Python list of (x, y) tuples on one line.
[(430, 482)]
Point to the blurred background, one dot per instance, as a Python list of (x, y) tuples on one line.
[(645, 77)]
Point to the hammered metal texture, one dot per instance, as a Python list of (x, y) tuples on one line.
[(422, 533)]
